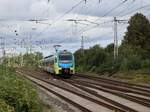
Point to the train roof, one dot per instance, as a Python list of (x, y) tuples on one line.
[(48, 56), (64, 52), (60, 52)]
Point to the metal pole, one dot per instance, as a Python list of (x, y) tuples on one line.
[(21, 62), (3, 50), (82, 45), (115, 39)]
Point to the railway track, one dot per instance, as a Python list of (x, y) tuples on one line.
[(130, 89), (118, 87), (114, 82), (142, 101), (100, 100)]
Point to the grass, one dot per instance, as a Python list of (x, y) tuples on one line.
[(17, 93), (5, 107), (133, 77), (139, 76), (48, 109)]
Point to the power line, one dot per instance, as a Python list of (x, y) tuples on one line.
[(126, 8), (139, 8), (59, 18), (93, 27), (68, 12), (114, 8)]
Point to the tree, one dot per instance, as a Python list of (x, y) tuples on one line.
[(109, 48), (93, 57), (138, 32)]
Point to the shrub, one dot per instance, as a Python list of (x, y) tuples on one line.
[(146, 64), (18, 92), (5, 107), (131, 63), (134, 63)]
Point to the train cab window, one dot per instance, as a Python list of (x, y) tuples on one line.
[(65, 57)]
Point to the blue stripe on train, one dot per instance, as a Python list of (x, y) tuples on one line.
[(65, 65)]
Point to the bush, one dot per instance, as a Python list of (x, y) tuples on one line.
[(146, 64), (124, 65), (109, 67), (5, 107), (131, 63), (18, 93)]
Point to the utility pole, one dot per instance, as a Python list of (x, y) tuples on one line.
[(116, 51), (115, 40), (21, 62), (82, 45), (3, 49), (100, 1)]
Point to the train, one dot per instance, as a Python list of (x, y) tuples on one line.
[(62, 63)]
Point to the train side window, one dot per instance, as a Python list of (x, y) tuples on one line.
[(55, 60)]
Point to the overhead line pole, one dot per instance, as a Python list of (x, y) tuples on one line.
[(82, 45), (115, 39), (3, 49), (116, 51)]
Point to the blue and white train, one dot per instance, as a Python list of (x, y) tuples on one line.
[(62, 63)]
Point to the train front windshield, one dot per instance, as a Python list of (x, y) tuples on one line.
[(65, 57)]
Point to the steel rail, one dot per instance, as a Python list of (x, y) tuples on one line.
[(111, 107)]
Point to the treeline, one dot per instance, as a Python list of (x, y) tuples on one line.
[(25, 60), (134, 51)]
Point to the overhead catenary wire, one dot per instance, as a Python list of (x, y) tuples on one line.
[(67, 12), (129, 6), (93, 27), (89, 29), (137, 9), (60, 17), (114, 8), (77, 21)]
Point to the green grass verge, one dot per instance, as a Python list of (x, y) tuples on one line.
[(5, 107), (48, 109), (17, 94), (133, 77), (139, 76)]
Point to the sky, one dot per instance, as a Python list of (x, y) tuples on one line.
[(94, 21)]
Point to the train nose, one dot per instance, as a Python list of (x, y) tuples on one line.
[(65, 65), (65, 71)]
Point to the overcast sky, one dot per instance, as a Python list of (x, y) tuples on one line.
[(55, 27)]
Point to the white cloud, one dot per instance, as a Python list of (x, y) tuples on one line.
[(62, 31)]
